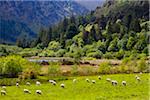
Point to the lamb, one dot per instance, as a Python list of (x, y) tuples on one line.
[(62, 85), (26, 91), (138, 78), (38, 83), (114, 82), (124, 83), (74, 80), (93, 81), (38, 92), (99, 77), (17, 84), (3, 92), (52, 82), (4, 88), (108, 80), (28, 83), (87, 80)]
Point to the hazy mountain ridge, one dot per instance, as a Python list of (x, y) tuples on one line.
[(31, 15)]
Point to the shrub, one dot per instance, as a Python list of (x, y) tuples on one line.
[(60, 53), (54, 69), (97, 54), (108, 55), (87, 70), (30, 71), (104, 68), (11, 66), (74, 70), (142, 66)]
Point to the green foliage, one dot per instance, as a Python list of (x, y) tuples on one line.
[(97, 54), (11, 66), (74, 70), (104, 68), (113, 45), (54, 69)]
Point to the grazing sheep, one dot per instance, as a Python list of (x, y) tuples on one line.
[(52, 82), (17, 84), (124, 83), (26, 91), (87, 80), (62, 85), (28, 83), (4, 88), (108, 80), (141, 73), (93, 81), (138, 78), (38, 92), (74, 80), (99, 77), (114, 82), (38, 83), (3, 92)]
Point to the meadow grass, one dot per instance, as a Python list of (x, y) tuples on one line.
[(81, 90)]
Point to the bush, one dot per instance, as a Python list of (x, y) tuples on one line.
[(97, 54), (60, 53), (31, 71), (54, 69), (14, 66), (87, 70), (11, 66), (104, 68), (142, 66), (74, 70), (108, 55)]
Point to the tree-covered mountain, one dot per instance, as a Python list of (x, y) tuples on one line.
[(27, 17), (118, 29)]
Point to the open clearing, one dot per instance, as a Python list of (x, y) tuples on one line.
[(82, 90)]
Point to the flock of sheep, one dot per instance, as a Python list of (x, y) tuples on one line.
[(39, 92)]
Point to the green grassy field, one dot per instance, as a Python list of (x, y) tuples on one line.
[(81, 90)]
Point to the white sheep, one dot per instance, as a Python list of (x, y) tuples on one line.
[(93, 81), (3, 92), (141, 73), (74, 80), (87, 80), (114, 82), (138, 78), (99, 77), (26, 91), (28, 83), (52, 82), (4, 88), (38, 92), (124, 83), (38, 83), (62, 85), (108, 80), (17, 84)]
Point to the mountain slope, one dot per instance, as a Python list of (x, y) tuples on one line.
[(31, 15)]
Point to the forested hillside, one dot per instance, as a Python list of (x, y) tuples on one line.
[(25, 18), (118, 29)]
